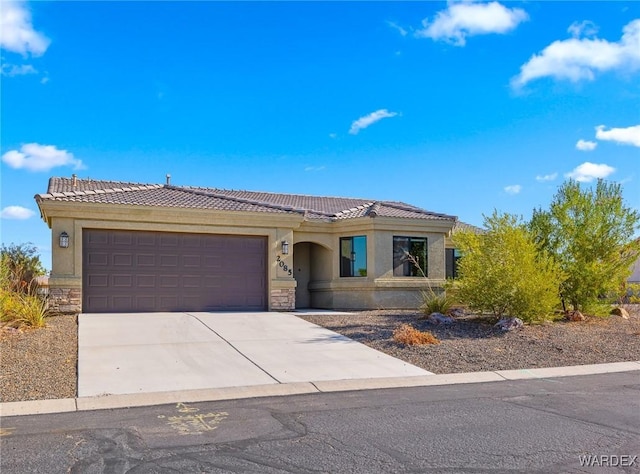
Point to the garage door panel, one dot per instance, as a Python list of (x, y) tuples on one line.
[(97, 304), (172, 272), (192, 302), (253, 300), (122, 238), (145, 281), (122, 302), (193, 261), (146, 240), (169, 261), (168, 281), (213, 262), (145, 260), (191, 241), (212, 281), (191, 281), (98, 238), (97, 259), (122, 259), (169, 303), (167, 240), (214, 243), (123, 281), (253, 267), (145, 303), (97, 280)]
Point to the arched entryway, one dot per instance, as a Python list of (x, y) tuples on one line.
[(311, 263)]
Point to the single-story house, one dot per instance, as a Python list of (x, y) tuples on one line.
[(124, 247)]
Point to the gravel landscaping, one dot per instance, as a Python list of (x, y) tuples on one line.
[(473, 344), (42, 363), (38, 364)]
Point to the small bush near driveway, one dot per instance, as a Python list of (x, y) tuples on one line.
[(410, 336)]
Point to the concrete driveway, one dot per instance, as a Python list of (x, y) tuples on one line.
[(158, 352)]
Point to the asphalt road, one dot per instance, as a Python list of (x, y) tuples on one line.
[(544, 425)]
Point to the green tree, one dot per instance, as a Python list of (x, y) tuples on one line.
[(589, 232), (501, 271), (20, 265)]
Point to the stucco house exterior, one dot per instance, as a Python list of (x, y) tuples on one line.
[(125, 247)]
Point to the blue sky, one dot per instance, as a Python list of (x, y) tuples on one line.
[(457, 107)]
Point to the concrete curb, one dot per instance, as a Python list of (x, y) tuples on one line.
[(36, 407)]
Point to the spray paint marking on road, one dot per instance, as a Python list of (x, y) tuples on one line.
[(6, 431), (193, 422)]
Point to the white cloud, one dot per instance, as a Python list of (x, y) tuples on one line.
[(587, 172), (513, 189), (398, 28), (546, 177), (580, 58), (12, 70), (583, 28), (463, 19), (16, 31), (333, 135), (35, 157), (16, 212), (624, 136), (586, 145), (367, 120)]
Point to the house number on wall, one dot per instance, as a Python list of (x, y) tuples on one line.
[(284, 266)]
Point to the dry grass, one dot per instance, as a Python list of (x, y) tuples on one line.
[(410, 336)]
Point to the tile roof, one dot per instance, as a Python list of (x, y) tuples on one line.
[(311, 207), (463, 226)]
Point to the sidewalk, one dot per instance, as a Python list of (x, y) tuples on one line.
[(35, 407)]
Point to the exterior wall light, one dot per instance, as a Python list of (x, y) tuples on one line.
[(285, 247), (64, 240)]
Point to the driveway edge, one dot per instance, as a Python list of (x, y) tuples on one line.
[(37, 407)]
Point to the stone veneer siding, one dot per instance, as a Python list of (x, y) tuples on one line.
[(69, 300), (65, 300), (283, 299)]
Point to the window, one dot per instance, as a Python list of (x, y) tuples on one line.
[(353, 256), (409, 253), (451, 262)]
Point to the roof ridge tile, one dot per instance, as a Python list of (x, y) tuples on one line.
[(234, 198)]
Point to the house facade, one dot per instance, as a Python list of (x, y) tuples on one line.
[(124, 247)]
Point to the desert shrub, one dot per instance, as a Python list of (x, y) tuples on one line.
[(433, 302), (502, 271), (20, 305), (628, 294), (591, 234), (20, 266), (410, 336), (22, 309)]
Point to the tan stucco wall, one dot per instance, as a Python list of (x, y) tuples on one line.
[(379, 289)]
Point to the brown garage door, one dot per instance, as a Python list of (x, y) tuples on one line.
[(161, 271)]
